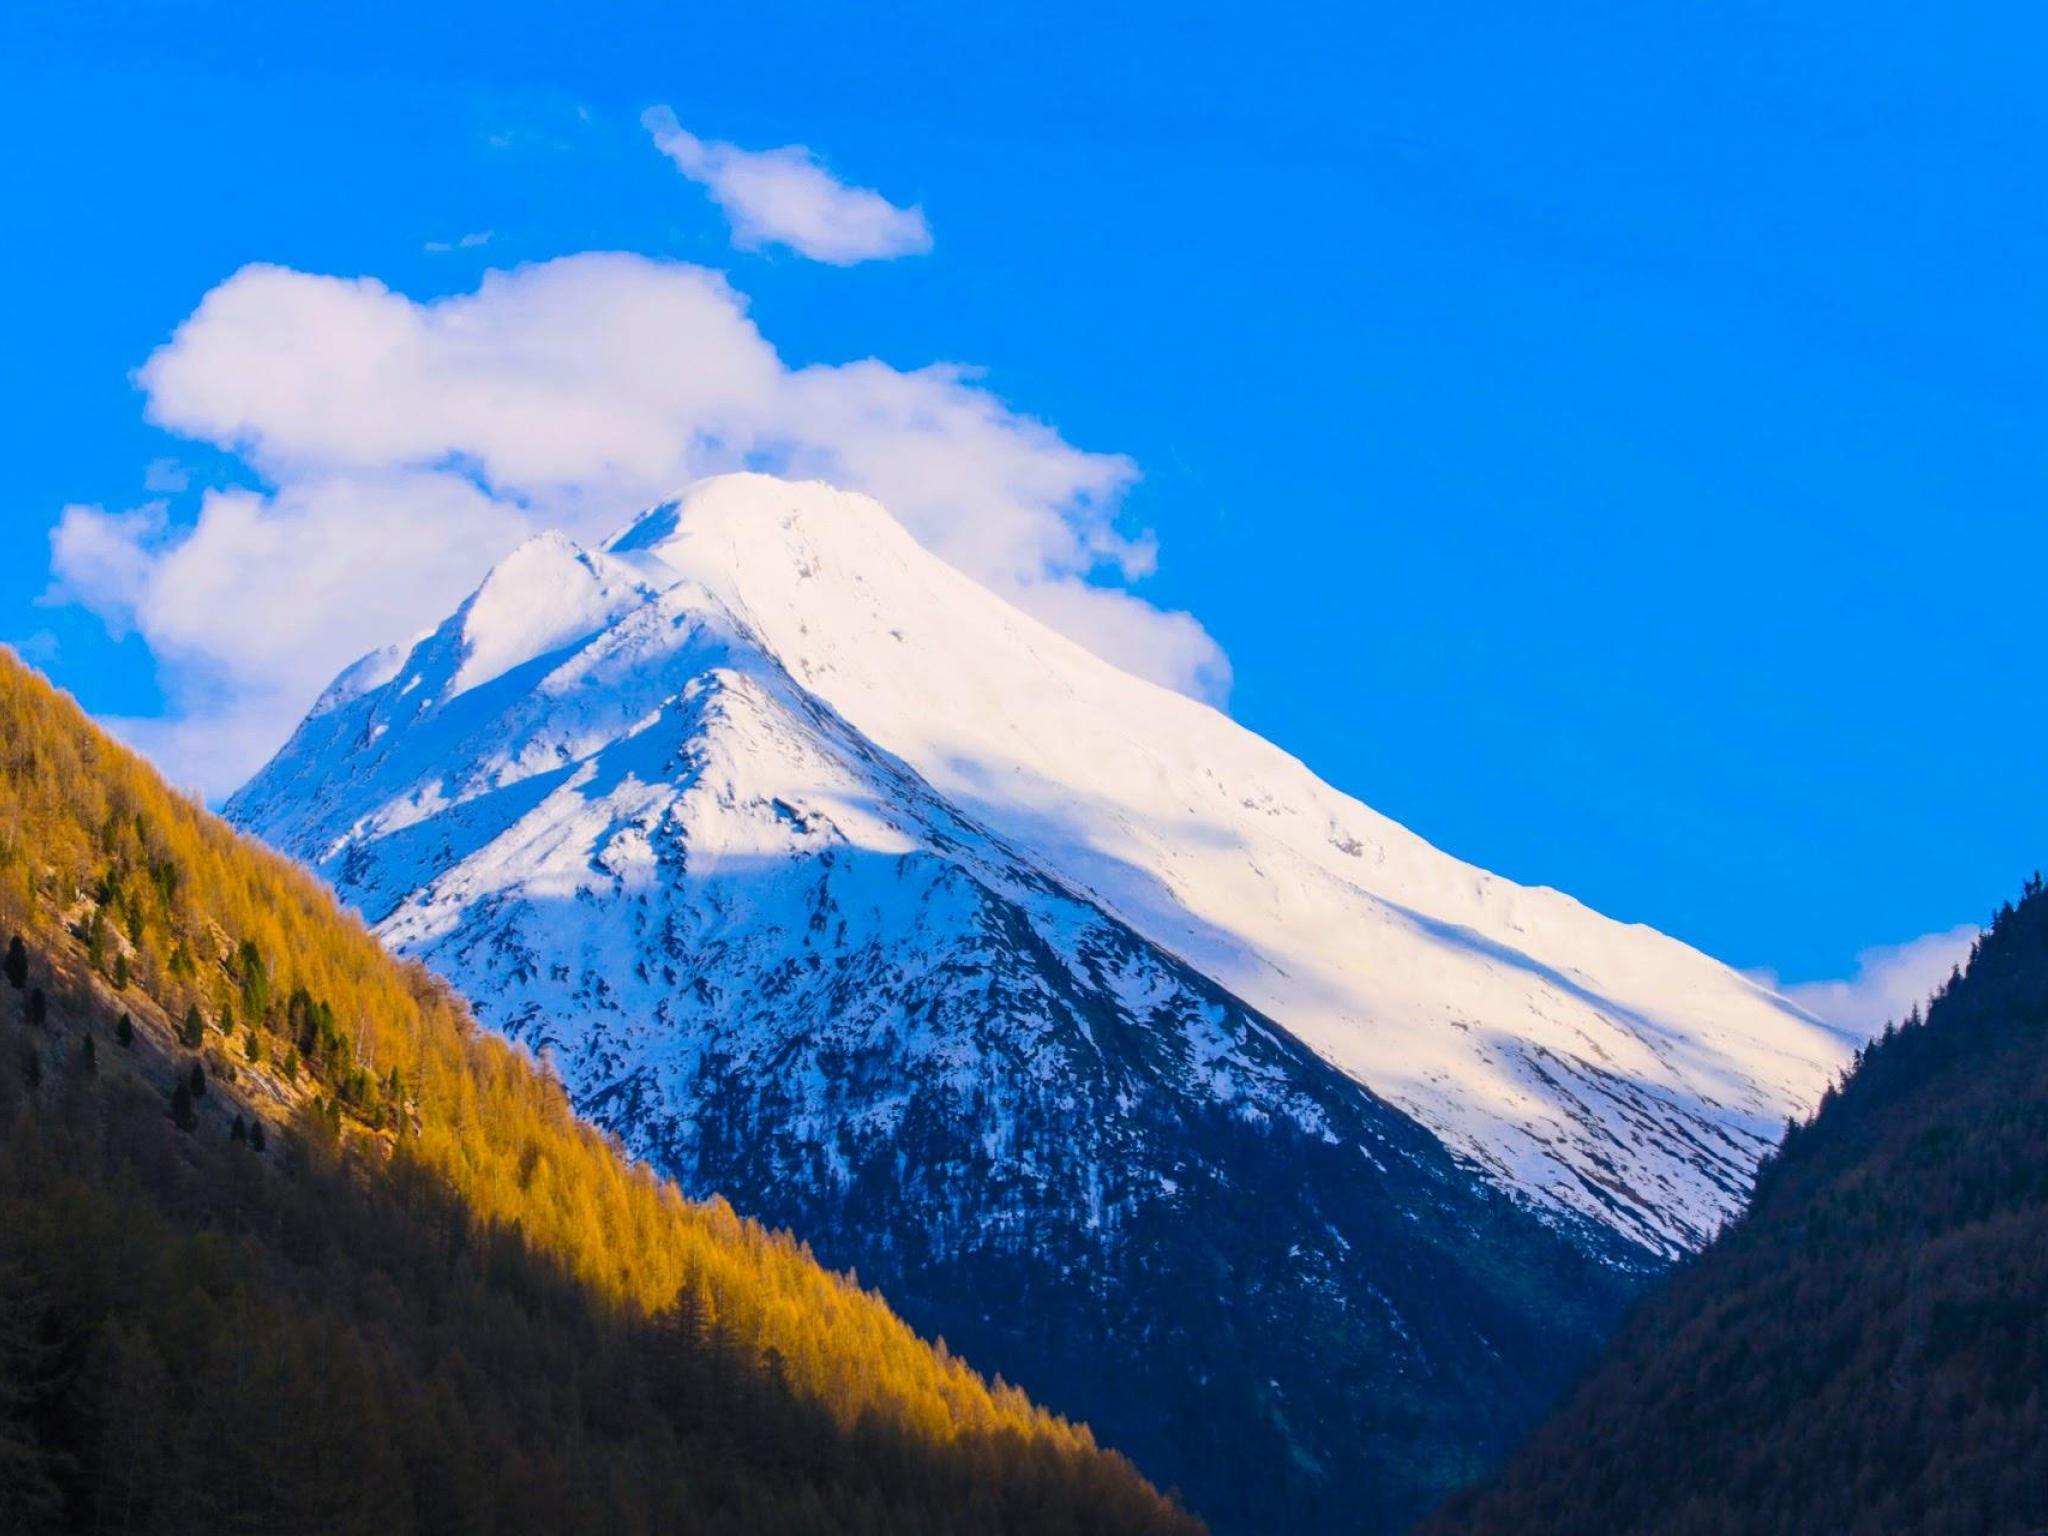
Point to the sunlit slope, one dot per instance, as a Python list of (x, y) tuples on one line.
[(471, 1299)]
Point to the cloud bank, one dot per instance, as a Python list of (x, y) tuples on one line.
[(407, 445), (785, 197), (1889, 982)]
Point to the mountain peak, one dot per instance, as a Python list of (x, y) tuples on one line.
[(546, 594), (831, 881), (1594, 1067), (748, 509)]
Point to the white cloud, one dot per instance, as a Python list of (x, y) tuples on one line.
[(785, 197), (1889, 982), (251, 608), (410, 444)]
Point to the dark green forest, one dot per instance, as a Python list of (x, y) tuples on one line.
[(1864, 1353), (287, 1245)]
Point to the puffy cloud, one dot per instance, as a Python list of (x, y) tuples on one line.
[(409, 444), (1890, 980), (785, 197), (252, 607)]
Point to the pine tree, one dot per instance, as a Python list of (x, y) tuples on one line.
[(255, 978), (252, 1045), (17, 963), (196, 1079), (121, 970), (239, 1131), (256, 1136), (193, 1035), (181, 1108), (125, 1032), (38, 1006)]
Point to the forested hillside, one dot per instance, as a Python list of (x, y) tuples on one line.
[(287, 1245), (1866, 1352)]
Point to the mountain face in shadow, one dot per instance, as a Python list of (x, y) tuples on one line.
[(1865, 1351), (286, 1244), (1304, 1161)]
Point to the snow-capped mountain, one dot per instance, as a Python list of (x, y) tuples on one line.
[(1098, 1031)]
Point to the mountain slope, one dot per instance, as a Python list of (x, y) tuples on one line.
[(429, 1299), (1057, 1004), (1865, 1352), (1599, 1068)]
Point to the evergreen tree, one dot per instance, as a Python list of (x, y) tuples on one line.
[(38, 1006), (181, 1108), (124, 1032), (252, 1045), (239, 1131), (193, 1035), (255, 978), (17, 963), (196, 1080), (256, 1136), (121, 970)]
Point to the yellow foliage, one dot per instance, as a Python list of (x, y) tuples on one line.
[(88, 827)]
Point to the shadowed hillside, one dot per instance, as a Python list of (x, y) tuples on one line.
[(1864, 1353), (286, 1244)]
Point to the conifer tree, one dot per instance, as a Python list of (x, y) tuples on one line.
[(38, 1006), (194, 1032), (196, 1080), (181, 1108), (124, 1032), (17, 963), (256, 1136), (121, 971), (239, 1131)]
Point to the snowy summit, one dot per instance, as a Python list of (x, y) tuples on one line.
[(1593, 1066), (1108, 1040)]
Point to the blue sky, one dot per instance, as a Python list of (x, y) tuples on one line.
[(1610, 443)]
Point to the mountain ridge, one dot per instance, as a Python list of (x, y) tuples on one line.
[(827, 880), (1627, 1050)]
